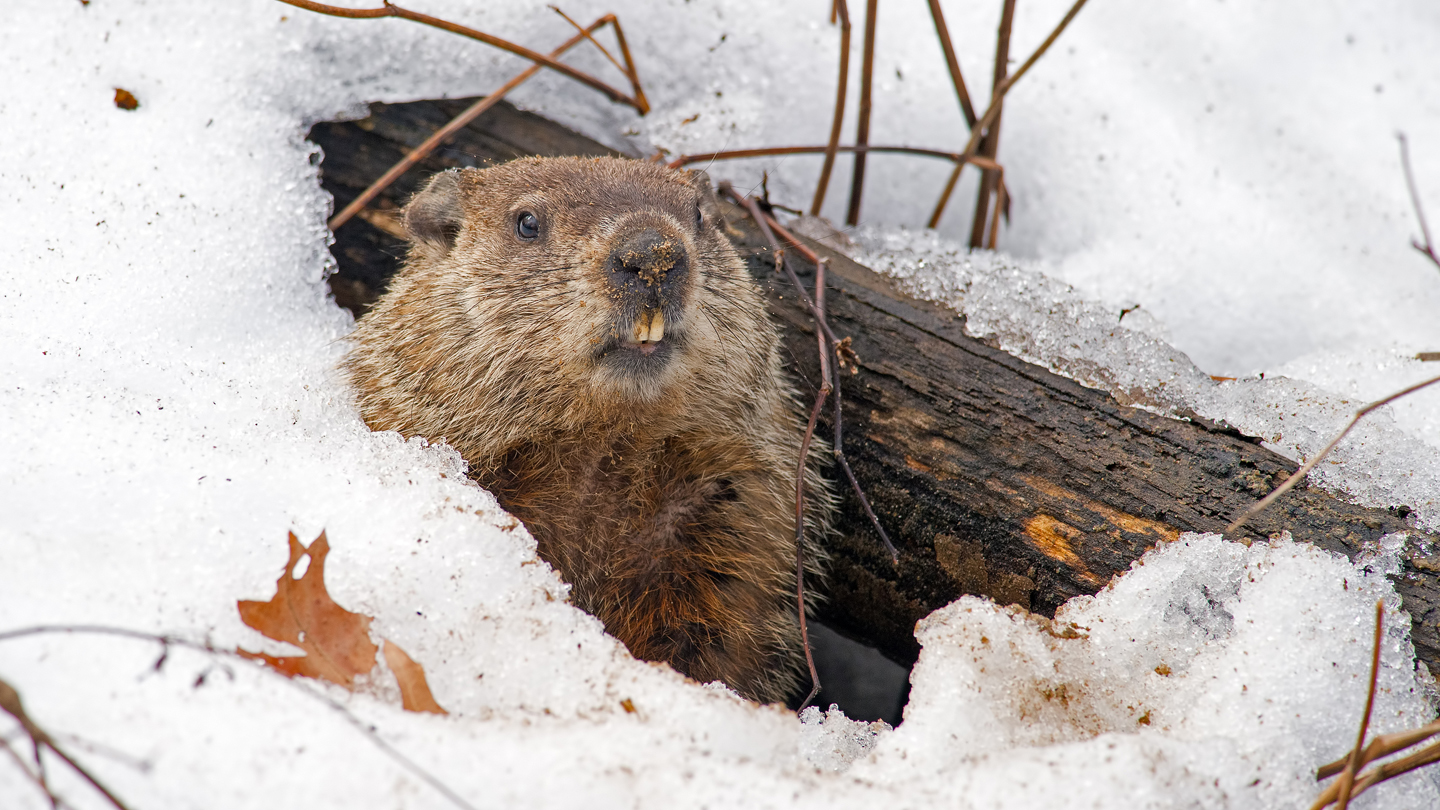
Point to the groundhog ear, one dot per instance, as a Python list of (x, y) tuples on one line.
[(709, 203), (701, 180), (434, 216)]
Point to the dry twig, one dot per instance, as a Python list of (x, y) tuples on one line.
[(391, 10), (990, 141), (842, 10), (820, 397), (862, 130), (735, 154), (952, 63), (829, 350), (993, 111), (10, 703), (419, 153), (1350, 785), (167, 641), (1428, 248), (443, 134), (1305, 469)]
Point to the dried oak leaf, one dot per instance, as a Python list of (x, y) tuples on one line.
[(414, 691), (126, 100), (336, 642)]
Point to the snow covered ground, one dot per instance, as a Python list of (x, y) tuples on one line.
[(169, 407)]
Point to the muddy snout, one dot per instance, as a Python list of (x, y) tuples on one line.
[(647, 270)]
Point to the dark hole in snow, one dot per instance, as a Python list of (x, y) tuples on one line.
[(859, 679)]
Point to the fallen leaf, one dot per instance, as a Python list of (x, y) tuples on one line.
[(336, 642), (414, 691), (126, 100)]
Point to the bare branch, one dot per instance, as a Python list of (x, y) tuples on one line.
[(820, 397), (943, 33), (1429, 247), (990, 141), (1305, 468), (770, 151), (862, 130), (391, 10), (841, 84), (993, 111), (10, 703), (642, 104), (456, 124), (1347, 777), (207, 648), (769, 228)]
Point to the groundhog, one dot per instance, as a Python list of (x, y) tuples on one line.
[(582, 331)]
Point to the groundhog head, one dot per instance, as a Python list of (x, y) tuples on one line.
[(552, 294), (598, 263)]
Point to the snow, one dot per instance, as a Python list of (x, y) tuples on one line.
[(1390, 459), (170, 407)]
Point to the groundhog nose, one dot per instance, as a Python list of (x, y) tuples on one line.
[(647, 262)]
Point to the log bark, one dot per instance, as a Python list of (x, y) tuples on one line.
[(993, 476)]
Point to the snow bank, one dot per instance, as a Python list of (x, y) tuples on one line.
[(170, 410), (1192, 681)]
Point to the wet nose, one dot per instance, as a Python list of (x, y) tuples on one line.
[(647, 264)]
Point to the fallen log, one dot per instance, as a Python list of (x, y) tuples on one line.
[(993, 476)]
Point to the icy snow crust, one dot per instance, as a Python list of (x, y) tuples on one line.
[(1391, 458), (170, 410)]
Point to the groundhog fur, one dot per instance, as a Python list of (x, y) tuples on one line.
[(582, 331)]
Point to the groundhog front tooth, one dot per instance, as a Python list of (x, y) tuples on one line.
[(657, 327), (640, 330)]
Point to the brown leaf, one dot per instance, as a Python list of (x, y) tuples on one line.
[(126, 100), (414, 691), (336, 642)]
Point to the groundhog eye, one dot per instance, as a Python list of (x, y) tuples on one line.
[(699, 217), (527, 226)]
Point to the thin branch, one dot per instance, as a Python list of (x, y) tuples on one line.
[(820, 397), (839, 451), (841, 85), (586, 34), (1305, 469), (443, 134), (1002, 199), (391, 10), (990, 142), (1381, 747), (993, 111), (1429, 247), (769, 228), (1347, 777), (1348, 786), (862, 130), (770, 151), (953, 63), (10, 703), (642, 104), (206, 647), (37, 778)]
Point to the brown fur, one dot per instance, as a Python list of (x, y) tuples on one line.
[(662, 491)]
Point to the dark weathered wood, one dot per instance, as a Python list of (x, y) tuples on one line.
[(999, 478), (993, 476)]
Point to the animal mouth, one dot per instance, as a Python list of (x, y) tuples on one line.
[(643, 349), (646, 333)]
